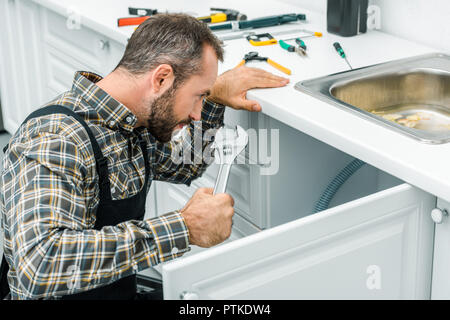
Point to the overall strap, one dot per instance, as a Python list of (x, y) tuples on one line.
[(101, 162)]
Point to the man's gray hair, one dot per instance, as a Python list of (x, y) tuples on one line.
[(174, 39)]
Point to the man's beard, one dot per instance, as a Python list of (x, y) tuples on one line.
[(161, 120)]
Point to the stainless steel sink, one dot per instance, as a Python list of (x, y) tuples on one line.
[(410, 96)]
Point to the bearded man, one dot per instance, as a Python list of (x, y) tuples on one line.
[(77, 172)]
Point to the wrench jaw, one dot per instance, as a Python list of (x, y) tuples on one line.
[(229, 143)]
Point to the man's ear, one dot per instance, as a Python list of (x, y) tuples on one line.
[(162, 78)]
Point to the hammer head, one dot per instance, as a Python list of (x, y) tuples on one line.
[(229, 143), (232, 14)]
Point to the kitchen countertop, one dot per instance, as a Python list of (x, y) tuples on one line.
[(422, 165)]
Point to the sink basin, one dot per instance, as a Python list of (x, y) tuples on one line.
[(410, 96)]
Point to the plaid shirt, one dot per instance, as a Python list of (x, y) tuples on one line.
[(49, 196)]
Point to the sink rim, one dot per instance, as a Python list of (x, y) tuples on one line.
[(385, 68)]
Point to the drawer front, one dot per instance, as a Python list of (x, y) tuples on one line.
[(171, 197), (376, 247), (93, 50), (61, 69), (81, 43), (238, 187), (247, 187)]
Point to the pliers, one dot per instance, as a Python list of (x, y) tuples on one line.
[(253, 55), (300, 50)]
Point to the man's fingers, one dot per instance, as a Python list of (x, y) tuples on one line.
[(263, 79)]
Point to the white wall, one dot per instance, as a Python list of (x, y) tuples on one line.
[(313, 5), (424, 21)]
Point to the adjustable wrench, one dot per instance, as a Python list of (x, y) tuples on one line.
[(228, 144)]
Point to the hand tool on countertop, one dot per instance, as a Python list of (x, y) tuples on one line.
[(311, 34), (228, 144), (300, 50), (131, 21), (255, 39), (141, 14), (341, 52), (259, 23), (254, 56), (244, 34), (224, 15), (142, 11)]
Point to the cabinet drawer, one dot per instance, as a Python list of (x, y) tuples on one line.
[(171, 197), (244, 185), (90, 48), (81, 43), (61, 69), (375, 247)]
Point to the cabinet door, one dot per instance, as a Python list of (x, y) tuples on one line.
[(376, 247), (20, 61), (441, 260)]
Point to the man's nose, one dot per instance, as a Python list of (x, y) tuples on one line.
[(196, 113)]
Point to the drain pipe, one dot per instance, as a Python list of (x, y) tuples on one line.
[(336, 183)]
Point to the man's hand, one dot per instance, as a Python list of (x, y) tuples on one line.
[(208, 217), (231, 87)]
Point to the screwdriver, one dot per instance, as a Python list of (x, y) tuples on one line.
[(341, 52)]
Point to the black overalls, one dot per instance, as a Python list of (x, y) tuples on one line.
[(109, 213)]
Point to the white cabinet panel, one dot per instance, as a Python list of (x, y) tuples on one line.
[(39, 55), (81, 43), (60, 71), (376, 247), (20, 61), (441, 261)]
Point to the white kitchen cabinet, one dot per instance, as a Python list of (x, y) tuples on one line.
[(376, 247), (441, 260), (68, 48), (375, 241), (21, 73), (39, 55)]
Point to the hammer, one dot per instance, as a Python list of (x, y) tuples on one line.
[(223, 15)]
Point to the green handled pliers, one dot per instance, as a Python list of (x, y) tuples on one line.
[(300, 50)]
